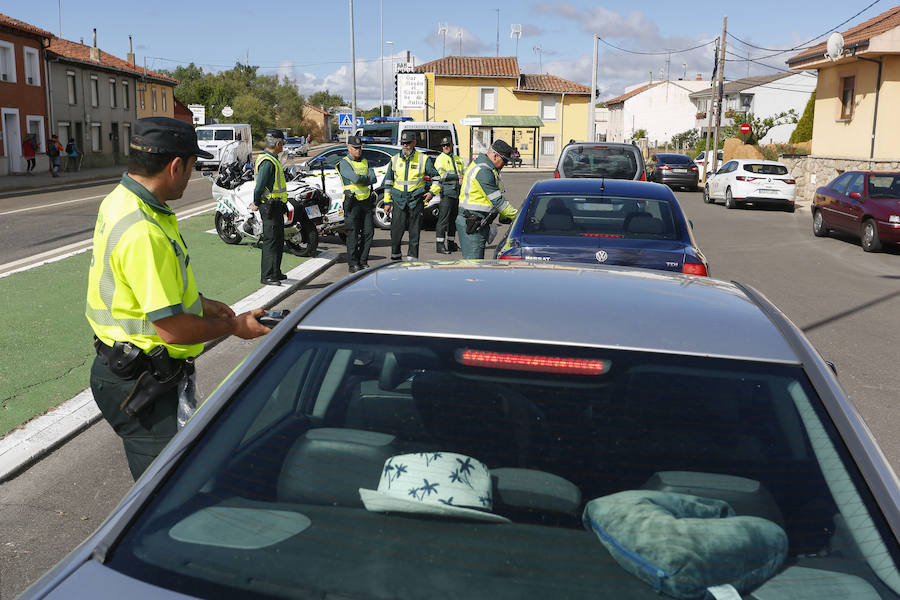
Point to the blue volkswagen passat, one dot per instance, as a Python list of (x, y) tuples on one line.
[(562, 431), (606, 221)]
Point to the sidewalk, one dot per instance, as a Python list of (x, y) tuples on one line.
[(18, 184)]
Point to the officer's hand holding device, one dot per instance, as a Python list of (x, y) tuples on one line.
[(271, 318)]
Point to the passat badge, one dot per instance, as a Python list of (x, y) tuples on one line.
[(601, 256)]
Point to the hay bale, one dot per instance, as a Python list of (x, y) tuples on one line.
[(734, 148)]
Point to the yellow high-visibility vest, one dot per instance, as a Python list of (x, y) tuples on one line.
[(279, 188), (360, 167)]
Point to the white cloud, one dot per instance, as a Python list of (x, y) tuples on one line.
[(471, 43)]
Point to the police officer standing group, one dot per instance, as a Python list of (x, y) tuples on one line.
[(451, 168), (406, 193), (482, 199), (359, 204)]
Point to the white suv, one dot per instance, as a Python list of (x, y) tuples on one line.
[(756, 181)]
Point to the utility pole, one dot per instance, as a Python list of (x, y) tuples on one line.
[(719, 77), (592, 112), (352, 67)]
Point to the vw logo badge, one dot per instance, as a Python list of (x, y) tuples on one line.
[(601, 256)]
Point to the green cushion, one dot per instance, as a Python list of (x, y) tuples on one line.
[(682, 544)]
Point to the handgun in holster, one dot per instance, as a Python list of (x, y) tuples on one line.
[(162, 375), (349, 198), (474, 223)]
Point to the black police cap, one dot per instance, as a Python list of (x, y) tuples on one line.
[(275, 133), (446, 141), (355, 141), (502, 148), (407, 136), (164, 135)]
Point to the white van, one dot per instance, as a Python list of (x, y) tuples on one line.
[(387, 130), (226, 142)]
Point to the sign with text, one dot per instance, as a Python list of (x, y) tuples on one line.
[(411, 91), (198, 112)]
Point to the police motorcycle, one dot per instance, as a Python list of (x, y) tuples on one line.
[(232, 189), (333, 219)]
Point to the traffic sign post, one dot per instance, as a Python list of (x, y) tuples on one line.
[(345, 121), (745, 129)]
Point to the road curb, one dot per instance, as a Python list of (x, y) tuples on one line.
[(31, 190), (23, 447)]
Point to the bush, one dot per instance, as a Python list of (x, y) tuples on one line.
[(773, 151), (803, 131)]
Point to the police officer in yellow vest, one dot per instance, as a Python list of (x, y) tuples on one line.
[(270, 197), (359, 204), (451, 168), (148, 318), (406, 193), (482, 198)]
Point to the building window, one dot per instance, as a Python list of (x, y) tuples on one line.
[(70, 87), (143, 98), (848, 85), (7, 62), (125, 89), (153, 97), (548, 145), (95, 137), (126, 137), (95, 91), (35, 125), (488, 99), (163, 92), (63, 130), (112, 92), (548, 108), (32, 67)]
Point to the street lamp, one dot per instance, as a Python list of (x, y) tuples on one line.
[(391, 44)]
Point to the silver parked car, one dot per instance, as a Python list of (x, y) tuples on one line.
[(673, 434)]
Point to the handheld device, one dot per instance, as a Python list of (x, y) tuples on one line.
[(271, 318)]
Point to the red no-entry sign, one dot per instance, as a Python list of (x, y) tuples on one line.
[(745, 128)]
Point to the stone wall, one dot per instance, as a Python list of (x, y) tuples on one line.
[(811, 172)]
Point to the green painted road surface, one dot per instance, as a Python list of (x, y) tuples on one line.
[(46, 340)]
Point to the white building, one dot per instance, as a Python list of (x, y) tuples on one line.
[(601, 123), (662, 108), (764, 96)]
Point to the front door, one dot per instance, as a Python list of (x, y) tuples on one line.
[(12, 139), (114, 137)]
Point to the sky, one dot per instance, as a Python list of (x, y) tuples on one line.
[(309, 41)]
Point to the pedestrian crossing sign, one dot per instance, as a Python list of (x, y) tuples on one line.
[(345, 121)]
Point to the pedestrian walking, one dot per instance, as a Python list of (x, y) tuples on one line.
[(54, 151), (72, 156), (359, 204), (406, 194), (270, 198), (28, 151), (482, 199), (149, 319), (451, 168)]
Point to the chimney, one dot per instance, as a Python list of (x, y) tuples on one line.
[(95, 51), (130, 52), (699, 76)]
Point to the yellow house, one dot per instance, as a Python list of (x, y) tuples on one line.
[(489, 99), (857, 94), (155, 96)]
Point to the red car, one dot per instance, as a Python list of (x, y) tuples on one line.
[(862, 203)]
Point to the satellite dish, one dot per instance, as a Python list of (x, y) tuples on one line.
[(834, 47), (227, 111)]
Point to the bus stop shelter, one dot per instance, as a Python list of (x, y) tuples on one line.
[(491, 122)]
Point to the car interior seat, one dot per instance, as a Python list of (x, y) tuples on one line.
[(557, 217), (642, 223)]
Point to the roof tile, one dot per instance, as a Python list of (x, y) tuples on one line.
[(82, 53), (472, 66), (23, 26), (550, 83), (861, 33), (628, 95)]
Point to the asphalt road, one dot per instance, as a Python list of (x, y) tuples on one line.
[(843, 298)]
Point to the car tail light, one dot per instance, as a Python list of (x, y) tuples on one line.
[(664, 167), (556, 174), (746, 178), (693, 167), (509, 257), (694, 269), (643, 176), (527, 362), (789, 181)]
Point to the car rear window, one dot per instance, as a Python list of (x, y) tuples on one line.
[(608, 216), (884, 186), (267, 503), (601, 161), (674, 159), (224, 134), (763, 169)]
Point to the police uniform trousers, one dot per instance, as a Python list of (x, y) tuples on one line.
[(360, 227), (272, 215), (446, 223), (471, 245), (147, 434), (410, 216)]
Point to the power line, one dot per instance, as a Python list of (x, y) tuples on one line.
[(657, 53), (753, 60)]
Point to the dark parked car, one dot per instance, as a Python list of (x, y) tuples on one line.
[(674, 170), (601, 159), (614, 222), (862, 203), (561, 431)]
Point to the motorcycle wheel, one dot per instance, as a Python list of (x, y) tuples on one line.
[(304, 241), (226, 229)]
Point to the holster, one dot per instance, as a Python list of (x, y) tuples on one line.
[(349, 198), (472, 221)]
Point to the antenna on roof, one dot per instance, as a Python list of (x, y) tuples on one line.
[(515, 31), (442, 31), (834, 47)]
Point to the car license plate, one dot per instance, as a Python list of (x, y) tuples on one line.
[(313, 211), (679, 170), (767, 191)]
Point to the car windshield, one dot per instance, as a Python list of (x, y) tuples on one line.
[(764, 169), (674, 159), (602, 216), (356, 466), (600, 161), (204, 134), (884, 186)]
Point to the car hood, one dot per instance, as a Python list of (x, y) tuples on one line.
[(93, 580), (666, 255)]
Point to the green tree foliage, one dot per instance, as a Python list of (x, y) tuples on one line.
[(326, 100), (758, 127), (686, 139), (803, 130), (639, 134)]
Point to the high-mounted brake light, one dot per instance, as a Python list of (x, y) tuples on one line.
[(526, 362), (602, 235), (509, 257), (694, 269), (556, 174)]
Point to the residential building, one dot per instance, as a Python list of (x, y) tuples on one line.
[(661, 108), (95, 99), (318, 122), (856, 122), (601, 123), (23, 89), (489, 99), (762, 95), (182, 112)]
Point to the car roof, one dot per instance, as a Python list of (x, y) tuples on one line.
[(563, 304), (609, 187)]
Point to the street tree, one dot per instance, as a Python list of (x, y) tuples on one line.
[(758, 127)]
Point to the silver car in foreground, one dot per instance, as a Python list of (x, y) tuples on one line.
[(559, 432)]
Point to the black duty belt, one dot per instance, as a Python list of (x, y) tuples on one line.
[(127, 360), (473, 213)]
